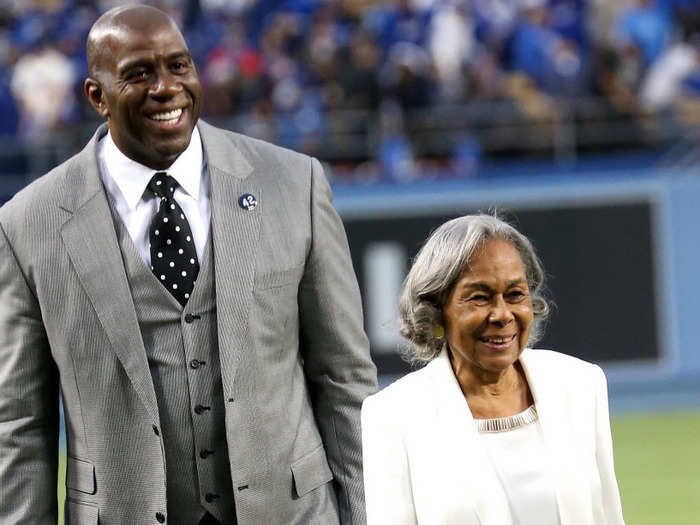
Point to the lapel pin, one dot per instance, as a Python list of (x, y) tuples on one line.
[(247, 201)]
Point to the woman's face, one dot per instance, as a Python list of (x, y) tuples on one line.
[(488, 312)]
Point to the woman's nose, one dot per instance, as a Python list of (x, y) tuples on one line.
[(500, 313)]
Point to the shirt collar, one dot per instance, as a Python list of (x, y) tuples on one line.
[(132, 177)]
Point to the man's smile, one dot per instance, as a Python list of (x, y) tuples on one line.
[(167, 118)]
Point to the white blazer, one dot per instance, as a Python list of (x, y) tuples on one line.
[(424, 462)]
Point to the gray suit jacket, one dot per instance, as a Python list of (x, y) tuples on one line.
[(294, 358)]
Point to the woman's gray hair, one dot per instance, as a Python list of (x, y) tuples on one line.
[(438, 266)]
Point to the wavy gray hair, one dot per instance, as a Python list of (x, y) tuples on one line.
[(437, 268)]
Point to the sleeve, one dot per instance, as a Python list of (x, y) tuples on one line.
[(28, 403), (612, 506), (335, 349), (387, 481)]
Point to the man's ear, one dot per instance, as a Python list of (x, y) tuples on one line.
[(94, 93)]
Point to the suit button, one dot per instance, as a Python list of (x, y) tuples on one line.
[(204, 453), (189, 318), (210, 496), (160, 517), (199, 409), (195, 363)]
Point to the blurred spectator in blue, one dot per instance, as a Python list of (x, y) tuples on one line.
[(396, 160), (550, 60), (532, 43), (466, 157), (9, 115), (395, 21), (567, 18), (645, 25), (395, 153)]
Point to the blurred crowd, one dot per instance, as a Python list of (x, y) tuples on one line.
[(291, 70)]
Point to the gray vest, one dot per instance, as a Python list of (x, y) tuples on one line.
[(183, 355)]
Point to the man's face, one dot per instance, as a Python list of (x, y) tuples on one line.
[(149, 91)]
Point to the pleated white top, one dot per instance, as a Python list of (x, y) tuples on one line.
[(516, 449)]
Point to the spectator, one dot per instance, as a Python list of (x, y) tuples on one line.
[(452, 46), (646, 26), (42, 83), (407, 76), (664, 82)]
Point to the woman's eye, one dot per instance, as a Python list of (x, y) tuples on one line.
[(479, 299)]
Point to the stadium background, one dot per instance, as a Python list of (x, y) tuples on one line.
[(578, 120)]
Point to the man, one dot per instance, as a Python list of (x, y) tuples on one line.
[(190, 293)]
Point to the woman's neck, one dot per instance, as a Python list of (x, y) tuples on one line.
[(494, 394)]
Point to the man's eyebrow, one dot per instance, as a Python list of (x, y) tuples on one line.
[(179, 54), (147, 62)]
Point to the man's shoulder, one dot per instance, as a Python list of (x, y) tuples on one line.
[(44, 190), (48, 191), (255, 151)]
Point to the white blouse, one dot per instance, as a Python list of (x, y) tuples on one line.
[(516, 449)]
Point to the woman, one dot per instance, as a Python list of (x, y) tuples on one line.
[(489, 432)]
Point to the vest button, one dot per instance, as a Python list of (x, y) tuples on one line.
[(189, 318), (195, 363), (160, 517), (156, 431), (204, 453)]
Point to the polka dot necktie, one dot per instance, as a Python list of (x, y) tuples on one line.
[(173, 254)]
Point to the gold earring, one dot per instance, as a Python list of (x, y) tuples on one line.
[(438, 331)]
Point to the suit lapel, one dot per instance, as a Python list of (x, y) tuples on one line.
[(91, 243), (235, 232), (553, 415), (471, 466)]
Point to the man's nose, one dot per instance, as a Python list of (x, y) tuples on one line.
[(500, 313), (165, 84)]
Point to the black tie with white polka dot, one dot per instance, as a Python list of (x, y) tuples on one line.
[(173, 254)]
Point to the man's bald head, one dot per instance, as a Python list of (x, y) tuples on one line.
[(115, 23), (144, 82)]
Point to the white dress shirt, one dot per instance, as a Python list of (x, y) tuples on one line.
[(125, 181)]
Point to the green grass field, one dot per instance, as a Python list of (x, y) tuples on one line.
[(657, 459)]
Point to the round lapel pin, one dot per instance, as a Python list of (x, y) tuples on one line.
[(247, 201)]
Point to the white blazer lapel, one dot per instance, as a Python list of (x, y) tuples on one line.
[(560, 441), (470, 469)]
